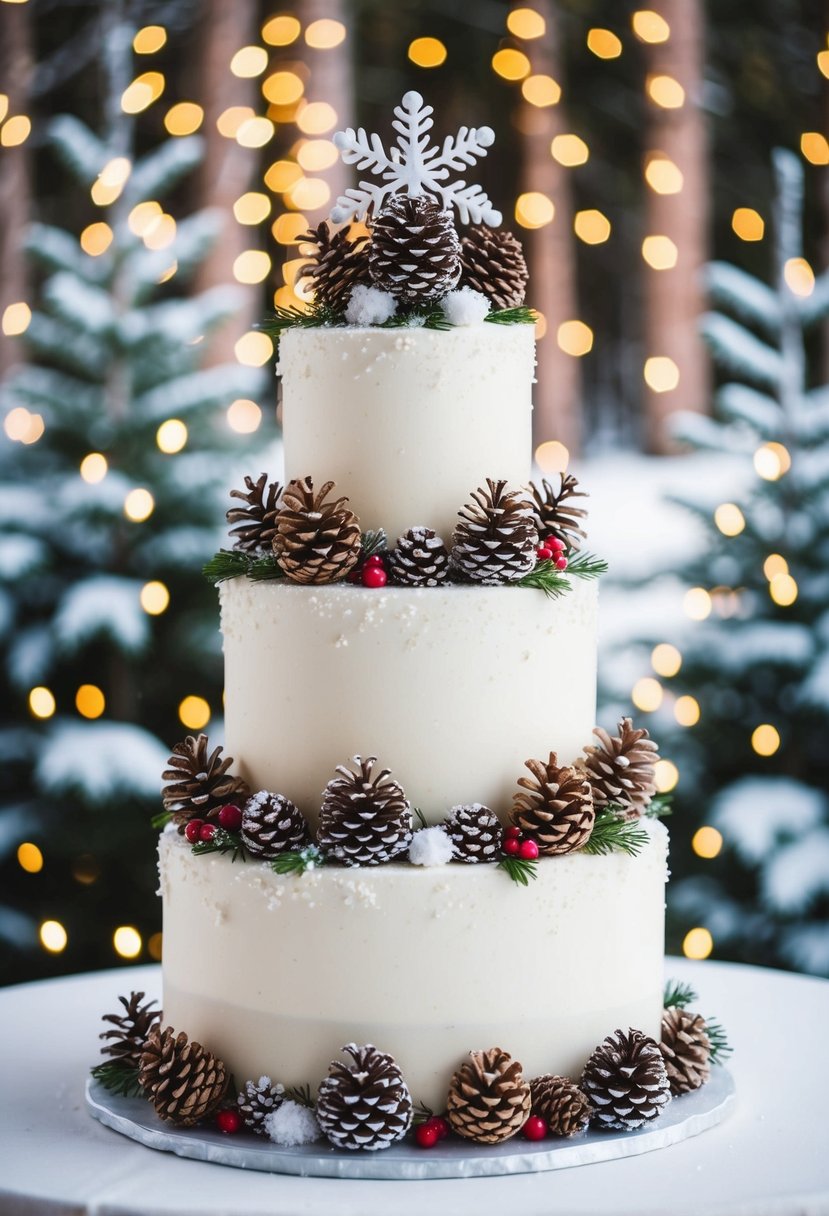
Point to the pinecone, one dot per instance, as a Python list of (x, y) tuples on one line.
[(126, 1041), (316, 541), (258, 1099), (419, 559), (557, 808), (415, 253), (489, 1100), (365, 820), (339, 263), (475, 832), (271, 825), (556, 515), (686, 1049), (496, 540), (492, 262), (621, 770), (561, 1104), (625, 1080), (256, 522), (367, 1105), (199, 784), (184, 1081)]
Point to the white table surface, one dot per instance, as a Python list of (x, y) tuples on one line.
[(771, 1156)]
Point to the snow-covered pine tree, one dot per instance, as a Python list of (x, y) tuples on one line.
[(755, 767), (102, 519)]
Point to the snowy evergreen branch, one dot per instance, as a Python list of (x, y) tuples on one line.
[(613, 834), (233, 563), (744, 295), (157, 172), (738, 351), (297, 861), (512, 316), (224, 842), (83, 153)]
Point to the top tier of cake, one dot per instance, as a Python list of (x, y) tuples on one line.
[(408, 421)]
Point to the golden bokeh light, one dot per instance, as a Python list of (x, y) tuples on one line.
[(662, 175), (184, 118), (687, 710), (534, 209), (281, 31), (94, 468), (541, 90), (427, 52), (255, 133), (783, 590), (143, 216), (660, 252), (665, 91), (251, 266), (604, 43), (552, 456), (21, 426), (249, 61), (317, 118), (127, 941), (592, 227), (317, 154), (661, 374), (142, 92), (139, 505), (253, 349), (288, 228), (324, 33), (4, 105), (647, 694), (154, 946), (823, 63), (231, 119), (42, 702), (154, 598), (29, 857), (649, 26), (149, 40), (308, 194), (194, 712), (96, 239), (666, 776), (666, 659), (729, 519), (748, 224), (160, 232), (16, 319), (252, 208), (569, 150), (281, 175), (171, 436), (697, 603), (283, 88), (526, 23), (772, 461), (510, 64), (53, 936), (765, 739), (774, 564), (244, 416), (90, 702), (15, 131), (697, 943), (575, 338), (707, 842), (815, 147), (799, 277)]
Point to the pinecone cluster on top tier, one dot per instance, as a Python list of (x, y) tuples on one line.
[(556, 515), (496, 539), (338, 264), (316, 541), (493, 263), (126, 1041), (475, 832), (255, 522), (561, 1104), (366, 1104), (199, 783), (686, 1049), (184, 1081), (555, 808), (419, 559), (272, 824), (621, 770), (365, 819), (626, 1081), (489, 1100), (415, 250), (258, 1099)]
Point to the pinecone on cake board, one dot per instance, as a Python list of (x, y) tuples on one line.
[(496, 539), (316, 541), (492, 262), (184, 1081), (339, 263), (415, 251), (555, 512), (272, 824), (365, 819), (419, 559), (621, 770), (686, 1049), (256, 521), (258, 1099), (475, 832), (488, 1100), (626, 1081), (555, 808), (198, 782), (125, 1042), (561, 1104), (365, 1104)]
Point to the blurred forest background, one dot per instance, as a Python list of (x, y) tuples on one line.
[(664, 166)]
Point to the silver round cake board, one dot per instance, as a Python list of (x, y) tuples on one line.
[(684, 1117)]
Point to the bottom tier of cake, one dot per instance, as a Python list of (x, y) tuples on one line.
[(274, 973)]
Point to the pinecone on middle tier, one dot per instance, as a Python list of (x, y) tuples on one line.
[(272, 824), (365, 819), (496, 539), (415, 253), (365, 1105), (419, 559), (475, 832), (185, 1082), (555, 512), (198, 782), (256, 521), (555, 808), (621, 770), (316, 541)]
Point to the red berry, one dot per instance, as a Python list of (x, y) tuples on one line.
[(207, 831), (374, 576), (561, 563), (426, 1135), (228, 1121), (553, 542), (374, 560), (440, 1125), (528, 850), (230, 817), (543, 553), (535, 1128), (512, 845), (512, 832), (192, 830)]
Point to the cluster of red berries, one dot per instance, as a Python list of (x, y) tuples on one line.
[(552, 549), (428, 1133), (516, 845), (230, 818), (229, 1121), (372, 573)]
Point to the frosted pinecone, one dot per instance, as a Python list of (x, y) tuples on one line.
[(475, 832), (420, 559), (258, 1099), (272, 824)]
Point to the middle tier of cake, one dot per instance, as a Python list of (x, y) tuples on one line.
[(452, 688)]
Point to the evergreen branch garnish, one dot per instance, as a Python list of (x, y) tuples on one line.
[(422, 1113), (612, 834), (421, 818), (717, 1037), (546, 578), (297, 861), (161, 820), (221, 841), (265, 567), (586, 565), (660, 806), (512, 316), (118, 1079), (300, 1094), (374, 541), (282, 319), (678, 994), (228, 563), (519, 870)]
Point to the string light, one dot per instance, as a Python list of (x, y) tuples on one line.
[(281, 31), (316, 118), (534, 209), (661, 374), (575, 338), (666, 776), (15, 131), (526, 23), (324, 33), (127, 941), (774, 564), (194, 712), (771, 461), (799, 277), (783, 590), (143, 91), (53, 936), (729, 519), (660, 252), (665, 91), (16, 319), (510, 64), (96, 239), (255, 133), (662, 175), (765, 739), (249, 61), (748, 224), (184, 118), (604, 44), (707, 842), (29, 857), (42, 702), (283, 88), (552, 456), (666, 660), (139, 505), (592, 227), (90, 702), (686, 710), (697, 603), (815, 147), (647, 694), (253, 349), (697, 943), (569, 150), (541, 90), (149, 40), (649, 26), (94, 468), (251, 266), (317, 154), (154, 598), (171, 436)]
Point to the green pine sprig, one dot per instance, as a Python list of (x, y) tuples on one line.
[(717, 1037), (679, 994), (297, 861), (283, 319), (161, 820), (586, 565), (660, 806), (422, 1114), (545, 577), (421, 818), (612, 834), (222, 841), (512, 316), (682, 995), (519, 870), (230, 563), (373, 541), (300, 1094), (118, 1078)]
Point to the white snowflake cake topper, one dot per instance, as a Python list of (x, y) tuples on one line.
[(415, 166)]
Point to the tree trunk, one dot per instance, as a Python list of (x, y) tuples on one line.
[(15, 179), (674, 298), (550, 252)]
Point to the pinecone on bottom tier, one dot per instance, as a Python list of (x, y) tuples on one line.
[(475, 832), (489, 1100), (272, 824), (556, 808), (626, 1081), (126, 1042), (561, 1104), (258, 1099), (686, 1049), (184, 1081), (364, 1105), (365, 819)]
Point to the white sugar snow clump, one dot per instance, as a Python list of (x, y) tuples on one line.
[(430, 847), (292, 1124), (465, 306), (369, 306)]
